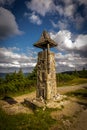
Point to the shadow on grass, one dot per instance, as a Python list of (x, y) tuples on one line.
[(78, 93), (82, 103), (10, 100)]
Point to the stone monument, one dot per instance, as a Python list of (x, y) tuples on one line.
[(46, 89), (46, 74)]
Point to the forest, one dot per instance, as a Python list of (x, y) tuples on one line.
[(17, 82)]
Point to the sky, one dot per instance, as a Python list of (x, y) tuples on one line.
[(22, 23)]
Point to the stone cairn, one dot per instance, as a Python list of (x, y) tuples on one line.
[(46, 74), (46, 90)]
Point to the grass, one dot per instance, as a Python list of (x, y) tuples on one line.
[(26, 91), (75, 81), (40, 120), (19, 93)]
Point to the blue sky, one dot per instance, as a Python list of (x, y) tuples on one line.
[(21, 25)]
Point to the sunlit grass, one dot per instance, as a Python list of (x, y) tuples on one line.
[(40, 120), (75, 81)]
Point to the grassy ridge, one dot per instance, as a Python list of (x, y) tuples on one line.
[(18, 83)]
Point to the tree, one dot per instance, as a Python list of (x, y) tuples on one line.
[(8, 78), (75, 73), (33, 74), (1, 80), (20, 75)]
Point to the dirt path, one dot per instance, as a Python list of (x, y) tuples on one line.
[(65, 89), (18, 106), (74, 114), (61, 90), (15, 105), (71, 109), (81, 123), (22, 97)]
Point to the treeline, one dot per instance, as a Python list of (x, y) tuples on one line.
[(68, 76), (17, 82)]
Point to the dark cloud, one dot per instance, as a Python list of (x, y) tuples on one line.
[(6, 2), (8, 25)]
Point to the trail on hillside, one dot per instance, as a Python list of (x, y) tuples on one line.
[(75, 109)]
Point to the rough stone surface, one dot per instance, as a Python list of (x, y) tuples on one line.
[(44, 40), (46, 75), (40, 102)]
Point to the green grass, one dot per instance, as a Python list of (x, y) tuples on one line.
[(19, 93), (40, 120), (75, 81), (26, 91)]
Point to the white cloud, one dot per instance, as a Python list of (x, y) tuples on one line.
[(67, 2), (40, 6), (59, 9), (8, 2), (65, 8), (81, 42), (60, 24), (43, 7), (66, 62), (73, 52), (11, 60), (35, 19), (64, 40), (83, 2), (69, 10), (8, 25)]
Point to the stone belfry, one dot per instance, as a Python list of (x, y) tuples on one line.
[(46, 74)]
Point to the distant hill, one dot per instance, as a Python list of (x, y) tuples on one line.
[(2, 75), (68, 72)]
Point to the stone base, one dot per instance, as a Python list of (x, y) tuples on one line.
[(57, 102)]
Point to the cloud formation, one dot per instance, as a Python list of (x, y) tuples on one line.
[(11, 60), (40, 6), (72, 51), (66, 14), (83, 2), (61, 24), (66, 43), (33, 18), (43, 7), (69, 61), (69, 10), (8, 25), (6, 2)]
